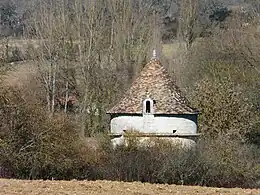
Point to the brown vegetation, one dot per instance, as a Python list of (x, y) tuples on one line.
[(92, 52)]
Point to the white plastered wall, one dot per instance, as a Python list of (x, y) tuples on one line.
[(152, 124)]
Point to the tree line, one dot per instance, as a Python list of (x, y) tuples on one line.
[(80, 57)]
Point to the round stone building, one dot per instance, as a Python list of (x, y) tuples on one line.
[(154, 107)]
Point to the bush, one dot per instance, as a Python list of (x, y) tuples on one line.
[(220, 163), (34, 145), (226, 163), (224, 110)]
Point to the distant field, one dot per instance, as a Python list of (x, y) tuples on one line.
[(107, 187), (168, 49), (172, 49)]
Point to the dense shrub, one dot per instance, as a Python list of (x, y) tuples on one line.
[(33, 144), (224, 109), (220, 163)]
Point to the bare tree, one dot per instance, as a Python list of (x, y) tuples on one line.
[(188, 21), (93, 48), (49, 24)]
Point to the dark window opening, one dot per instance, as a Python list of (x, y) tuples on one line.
[(148, 107), (174, 131)]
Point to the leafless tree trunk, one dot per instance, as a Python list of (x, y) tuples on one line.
[(49, 26), (188, 21), (95, 47), (66, 97)]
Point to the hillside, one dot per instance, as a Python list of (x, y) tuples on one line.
[(65, 63), (107, 187)]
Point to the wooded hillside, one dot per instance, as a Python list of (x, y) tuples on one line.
[(64, 63)]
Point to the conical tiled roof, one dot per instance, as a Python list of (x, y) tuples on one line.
[(155, 83)]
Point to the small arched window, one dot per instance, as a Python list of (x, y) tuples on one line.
[(148, 106)]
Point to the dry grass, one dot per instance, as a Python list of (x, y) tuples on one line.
[(169, 50), (172, 50), (107, 187), (20, 43), (20, 74)]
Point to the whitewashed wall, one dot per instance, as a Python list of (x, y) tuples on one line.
[(151, 124)]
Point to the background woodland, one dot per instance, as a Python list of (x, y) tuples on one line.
[(64, 63)]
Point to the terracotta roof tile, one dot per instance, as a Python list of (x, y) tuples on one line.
[(154, 82)]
